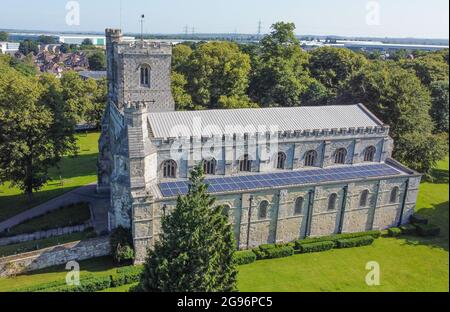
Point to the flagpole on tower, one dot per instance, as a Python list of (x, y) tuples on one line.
[(142, 27)]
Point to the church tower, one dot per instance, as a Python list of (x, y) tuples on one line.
[(139, 71)]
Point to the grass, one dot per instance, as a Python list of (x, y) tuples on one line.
[(66, 216), (15, 249), (406, 263), (100, 267), (74, 171)]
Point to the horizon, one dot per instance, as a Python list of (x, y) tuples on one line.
[(404, 19)]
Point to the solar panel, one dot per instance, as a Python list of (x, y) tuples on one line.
[(289, 178)]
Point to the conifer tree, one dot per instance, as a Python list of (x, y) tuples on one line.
[(195, 250)]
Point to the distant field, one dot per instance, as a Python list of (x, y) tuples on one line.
[(75, 172)]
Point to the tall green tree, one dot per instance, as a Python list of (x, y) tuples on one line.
[(28, 46), (4, 36), (34, 135), (97, 60), (334, 66), (398, 98), (180, 58), (216, 69), (195, 250), (183, 100), (440, 105), (280, 76), (429, 68)]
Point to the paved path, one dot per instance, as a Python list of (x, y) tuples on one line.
[(99, 207)]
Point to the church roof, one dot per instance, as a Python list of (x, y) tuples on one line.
[(241, 121)]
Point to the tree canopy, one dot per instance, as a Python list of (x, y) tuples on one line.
[(195, 251)]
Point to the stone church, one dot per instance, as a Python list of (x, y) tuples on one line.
[(281, 173)]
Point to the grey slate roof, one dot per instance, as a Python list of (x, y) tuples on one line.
[(285, 119)]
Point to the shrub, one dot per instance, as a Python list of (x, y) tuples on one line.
[(408, 229), (121, 245), (394, 232), (335, 238), (280, 252), (428, 230), (418, 219), (316, 247), (355, 242), (244, 257)]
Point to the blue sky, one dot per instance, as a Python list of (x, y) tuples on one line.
[(397, 18)]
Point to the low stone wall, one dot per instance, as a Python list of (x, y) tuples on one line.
[(44, 234), (57, 255)]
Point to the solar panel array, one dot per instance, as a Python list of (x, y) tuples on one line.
[(282, 179)]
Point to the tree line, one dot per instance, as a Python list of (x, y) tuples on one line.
[(408, 91)]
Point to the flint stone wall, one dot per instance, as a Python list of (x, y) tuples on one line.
[(57, 255)]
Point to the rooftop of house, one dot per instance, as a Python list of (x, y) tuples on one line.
[(260, 120)]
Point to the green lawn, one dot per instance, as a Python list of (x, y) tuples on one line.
[(99, 267), (66, 216), (75, 172), (407, 263)]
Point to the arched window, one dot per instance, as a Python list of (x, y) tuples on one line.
[(310, 158), (209, 166), (341, 155), (369, 154), (394, 195), (169, 169), (226, 211), (332, 201), (364, 198), (263, 207), (245, 164), (299, 206), (281, 162), (145, 76)]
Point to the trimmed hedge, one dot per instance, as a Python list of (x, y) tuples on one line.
[(280, 252), (408, 229), (316, 247), (355, 242), (394, 232), (123, 276), (335, 238), (418, 219), (428, 230), (244, 257), (262, 251)]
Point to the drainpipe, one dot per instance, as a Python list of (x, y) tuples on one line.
[(310, 213), (344, 204), (249, 221), (405, 197)]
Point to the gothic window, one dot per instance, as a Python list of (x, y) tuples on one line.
[(332, 201), (245, 164), (263, 207), (341, 155), (170, 169), (281, 161), (310, 158), (145, 76), (299, 206), (364, 198), (369, 154), (226, 211), (394, 195), (209, 166)]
